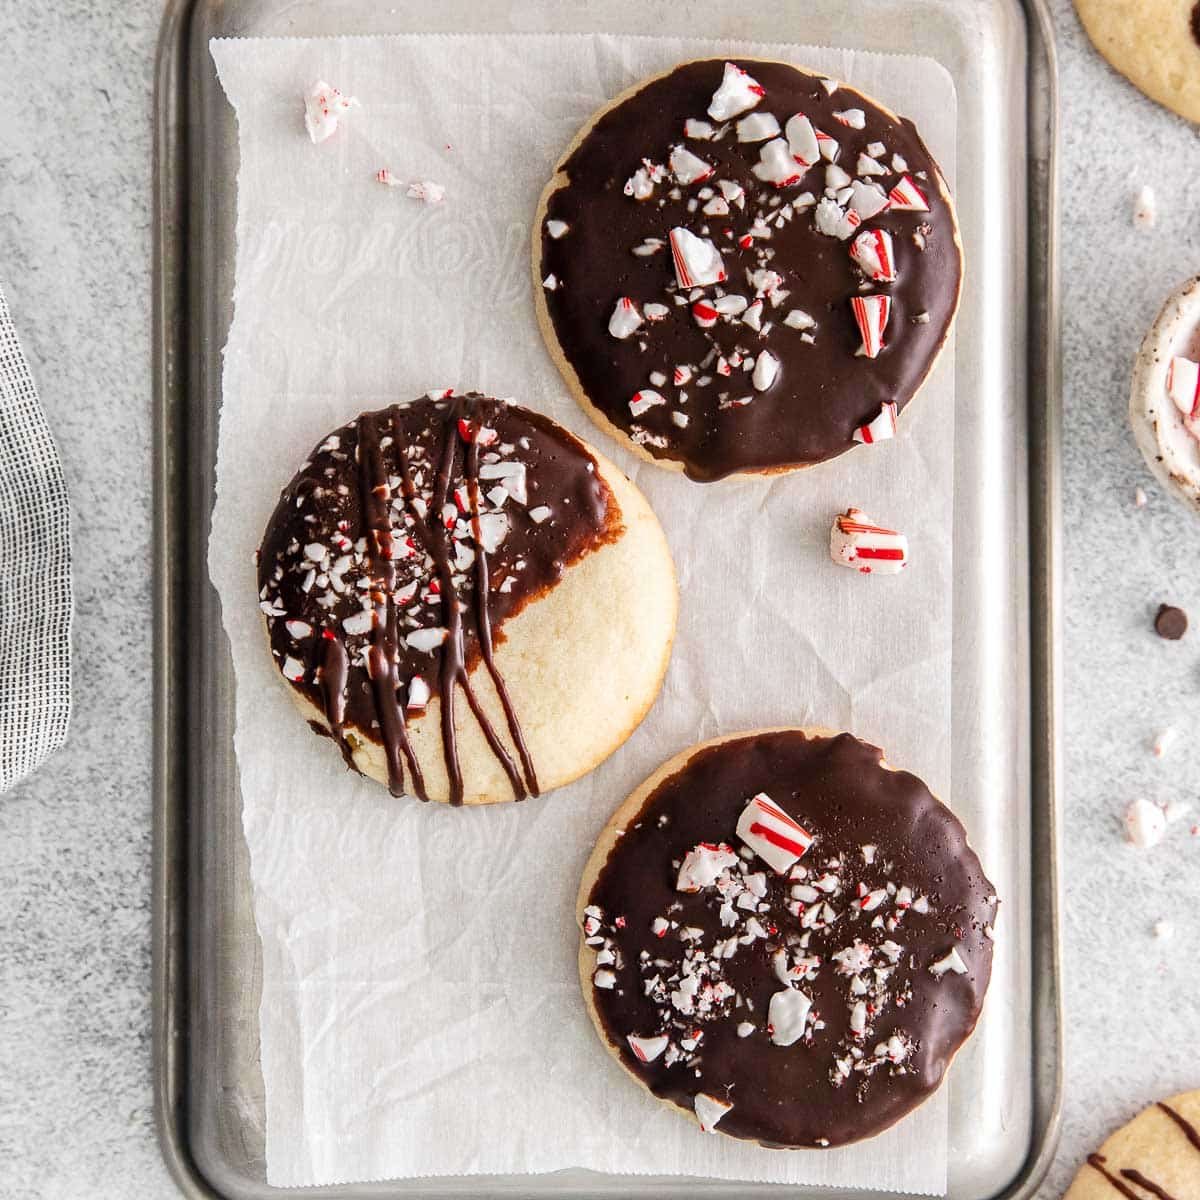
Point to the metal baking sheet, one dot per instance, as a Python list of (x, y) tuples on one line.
[(1005, 1086)]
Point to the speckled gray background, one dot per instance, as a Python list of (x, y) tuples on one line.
[(75, 1101)]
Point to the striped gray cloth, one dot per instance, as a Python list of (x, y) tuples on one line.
[(35, 579)]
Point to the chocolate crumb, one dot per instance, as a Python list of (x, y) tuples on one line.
[(1170, 622)]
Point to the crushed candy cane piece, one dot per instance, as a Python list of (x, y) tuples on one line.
[(834, 221), (697, 261), (539, 514), (604, 978), (1145, 208), (1183, 385), (1145, 823), (625, 319), (854, 117), (1162, 743), (425, 641), (880, 428), (774, 836), (804, 142), (766, 371), (688, 167), (384, 176), (797, 318), (872, 254), (952, 962), (757, 127), (829, 146), (776, 164), (298, 629), (645, 399), (1164, 930), (867, 199), (418, 694), (709, 1110), (556, 229), (702, 131), (1139, 497), (787, 1015), (322, 107), (550, 283), (655, 312), (426, 191), (856, 541), (739, 92), (294, 669), (706, 316), (647, 1049), (871, 314), (702, 865), (907, 197)]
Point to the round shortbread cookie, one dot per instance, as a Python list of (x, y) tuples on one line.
[(785, 937), (1155, 1157), (1155, 44), (745, 268), (1164, 397), (470, 601)]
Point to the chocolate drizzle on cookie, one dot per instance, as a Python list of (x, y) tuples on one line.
[(400, 548), (790, 940), (1121, 1177), (747, 264)]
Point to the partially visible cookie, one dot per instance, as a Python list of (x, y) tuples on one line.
[(1155, 44), (785, 938), (746, 268), (1164, 397), (1155, 1157)]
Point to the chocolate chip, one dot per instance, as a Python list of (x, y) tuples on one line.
[(1170, 622)]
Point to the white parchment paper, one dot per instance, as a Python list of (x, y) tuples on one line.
[(420, 1005)]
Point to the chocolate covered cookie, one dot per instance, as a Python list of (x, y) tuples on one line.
[(785, 937), (742, 267), (446, 586)]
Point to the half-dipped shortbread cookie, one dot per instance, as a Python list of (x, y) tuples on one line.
[(742, 267), (785, 937), (1164, 400), (469, 601), (1155, 1157)]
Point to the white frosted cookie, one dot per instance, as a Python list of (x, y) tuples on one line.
[(785, 938), (1155, 44), (470, 602), (1155, 1157), (1164, 399), (744, 268)]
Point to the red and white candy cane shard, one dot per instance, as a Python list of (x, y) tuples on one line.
[(739, 92), (757, 127), (709, 1110), (772, 834), (867, 199), (697, 261), (688, 167), (803, 140), (856, 541), (702, 131), (645, 399), (647, 1049), (881, 427), (706, 316), (829, 146), (625, 319), (907, 197), (872, 253), (776, 165), (871, 314), (1183, 385), (702, 865), (418, 694)]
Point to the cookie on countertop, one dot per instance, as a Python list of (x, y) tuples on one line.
[(471, 602), (745, 268), (785, 937), (1155, 1157), (1155, 44)]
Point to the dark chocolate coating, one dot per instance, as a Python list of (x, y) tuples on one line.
[(837, 789), (824, 390), (380, 485)]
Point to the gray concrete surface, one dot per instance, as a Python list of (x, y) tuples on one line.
[(75, 1102)]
